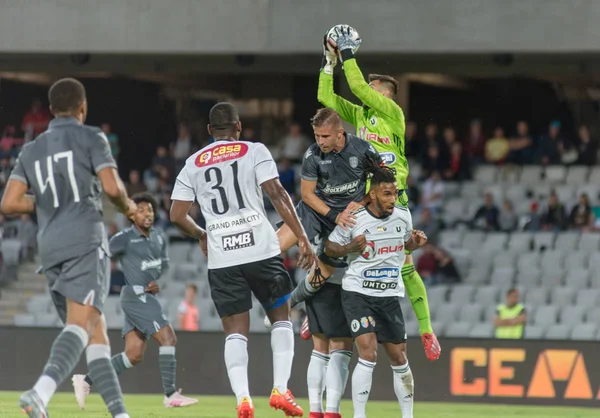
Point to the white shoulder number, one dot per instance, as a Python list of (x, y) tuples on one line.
[(50, 182)]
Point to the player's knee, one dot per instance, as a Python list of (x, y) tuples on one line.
[(135, 355), (368, 354), (170, 339), (321, 344), (398, 355)]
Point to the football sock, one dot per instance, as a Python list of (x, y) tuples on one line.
[(315, 379), (103, 375), (416, 292), (168, 369), (282, 344), (362, 378), (120, 362), (336, 379), (303, 291), (236, 361), (404, 387), (64, 355)]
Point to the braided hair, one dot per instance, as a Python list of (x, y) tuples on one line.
[(378, 173)]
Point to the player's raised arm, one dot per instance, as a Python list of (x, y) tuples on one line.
[(15, 200), (183, 197)]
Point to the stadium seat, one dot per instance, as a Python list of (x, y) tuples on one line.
[(555, 174), (446, 313), (178, 253), (589, 242), (520, 242), (546, 315), (485, 174), (487, 295), (48, 320), (593, 315), (438, 327), (562, 296), (515, 193), (503, 277), (412, 329), (462, 259), (437, 295), (451, 189), (454, 210), (461, 294), (578, 278), (186, 272), (470, 313), (489, 313), (566, 241), (572, 315), (477, 276), (114, 320), (558, 332), (543, 240), (451, 239), (552, 258), (529, 278), (565, 192), (576, 260), (552, 277), (591, 189), (584, 332), (537, 296), (505, 259), (497, 191), (527, 261), (534, 332), (195, 255), (10, 249), (24, 320), (495, 242), (458, 329), (531, 174), (471, 190), (577, 175), (40, 304), (594, 177), (473, 205), (112, 304), (473, 240), (509, 174), (588, 298), (482, 331), (594, 261)]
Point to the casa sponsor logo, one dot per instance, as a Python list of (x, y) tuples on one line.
[(382, 273), (238, 241), (250, 220), (343, 188), (524, 373), (221, 153), (151, 264), (388, 158), (363, 133)]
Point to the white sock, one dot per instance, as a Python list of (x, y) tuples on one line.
[(315, 379), (336, 379), (404, 387), (45, 388), (282, 344), (362, 378), (122, 416), (236, 361)]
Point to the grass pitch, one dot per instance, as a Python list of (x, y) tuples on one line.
[(142, 406)]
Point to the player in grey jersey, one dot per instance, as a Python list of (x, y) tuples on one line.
[(142, 250), (67, 168), (372, 284)]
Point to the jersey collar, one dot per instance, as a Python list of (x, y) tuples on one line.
[(375, 216), (60, 121), (139, 233)]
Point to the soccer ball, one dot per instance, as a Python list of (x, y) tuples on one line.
[(369, 251), (335, 32)]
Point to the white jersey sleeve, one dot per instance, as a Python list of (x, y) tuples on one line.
[(183, 189), (264, 165), (409, 224), (341, 236)]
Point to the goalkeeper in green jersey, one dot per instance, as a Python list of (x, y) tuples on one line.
[(380, 121)]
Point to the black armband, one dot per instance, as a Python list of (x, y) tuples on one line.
[(332, 215), (346, 54)]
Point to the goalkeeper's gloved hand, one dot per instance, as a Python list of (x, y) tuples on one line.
[(431, 346), (346, 43), (329, 58)]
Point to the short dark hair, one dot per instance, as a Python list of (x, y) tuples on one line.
[(390, 82), (66, 95), (146, 197), (193, 286), (223, 117), (511, 291), (379, 172), (326, 116)]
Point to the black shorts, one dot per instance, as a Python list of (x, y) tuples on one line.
[(231, 288), (326, 314), (381, 315), (317, 229)]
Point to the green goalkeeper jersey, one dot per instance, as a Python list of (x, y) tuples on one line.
[(380, 121)]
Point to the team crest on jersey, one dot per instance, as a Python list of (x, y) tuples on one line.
[(364, 322), (398, 228), (221, 153), (373, 121), (355, 325), (353, 161)]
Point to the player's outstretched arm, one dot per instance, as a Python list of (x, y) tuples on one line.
[(285, 208), (113, 187), (15, 200), (327, 97)]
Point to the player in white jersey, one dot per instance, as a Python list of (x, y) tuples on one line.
[(226, 178), (372, 285)]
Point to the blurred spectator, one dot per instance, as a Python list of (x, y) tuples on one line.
[(113, 139), (431, 139), (508, 220), (587, 147), (287, 176), (497, 147), (427, 265), (582, 217), (413, 193), (555, 216), (521, 145), (533, 221), (117, 278), (510, 317), (5, 169), (475, 142), (436, 266), (181, 149), (428, 224), (447, 271), (548, 148), (434, 161), (294, 144), (459, 169), (449, 140), (27, 234), (135, 185), (432, 196), (486, 217), (411, 143), (35, 121), (189, 316), (9, 144)]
